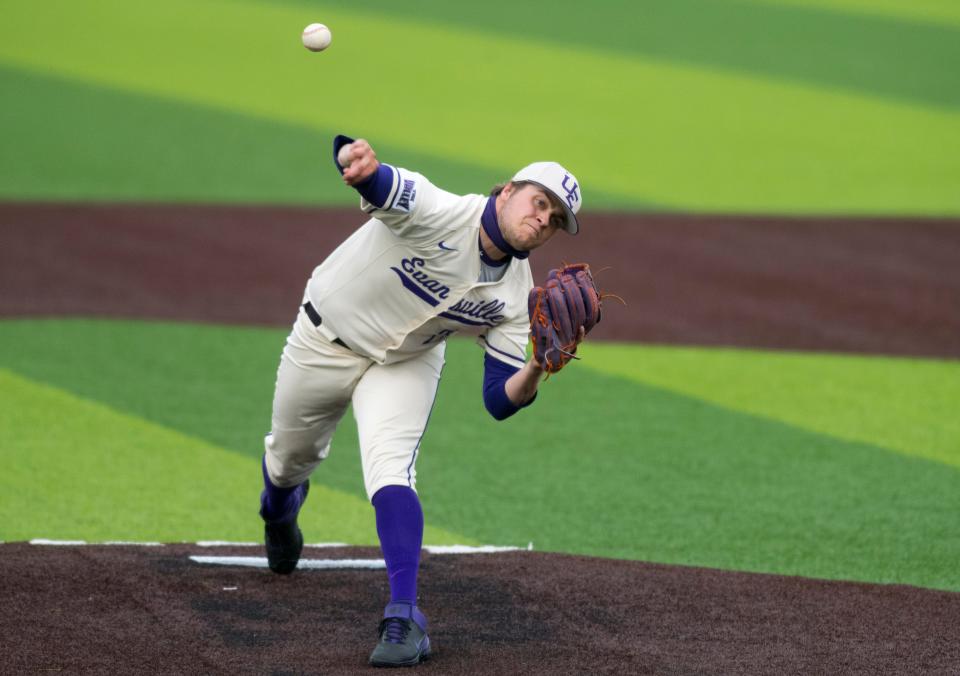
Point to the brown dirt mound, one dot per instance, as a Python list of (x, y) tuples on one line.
[(841, 284), (120, 609)]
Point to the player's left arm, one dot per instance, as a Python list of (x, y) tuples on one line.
[(522, 386), (507, 388), (509, 381)]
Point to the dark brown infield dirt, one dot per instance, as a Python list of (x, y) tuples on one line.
[(878, 285), (118, 609), (867, 285)]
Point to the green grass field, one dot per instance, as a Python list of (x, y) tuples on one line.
[(154, 431), (791, 107), (810, 464)]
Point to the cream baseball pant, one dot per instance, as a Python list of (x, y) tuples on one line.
[(317, 380)]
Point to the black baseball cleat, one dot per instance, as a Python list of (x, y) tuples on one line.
[(284, 541), (403, 637)]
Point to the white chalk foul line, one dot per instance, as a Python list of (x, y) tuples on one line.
[(201, 543), (57, 543), (467, 549), (304, 564), (80, 543), (329, 564), (226, 543), (432, 549), (309, 564)]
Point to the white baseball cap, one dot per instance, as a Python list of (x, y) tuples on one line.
[(561, 183)]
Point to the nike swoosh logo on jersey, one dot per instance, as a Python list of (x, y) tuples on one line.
[(445, 248)]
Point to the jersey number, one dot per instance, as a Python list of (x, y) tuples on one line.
[(438, 336)]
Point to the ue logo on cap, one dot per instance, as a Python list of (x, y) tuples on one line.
[(572, 196)]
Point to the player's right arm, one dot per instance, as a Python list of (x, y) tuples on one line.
[(403, 200)]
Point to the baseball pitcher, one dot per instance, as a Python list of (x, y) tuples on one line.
[(371, 332)]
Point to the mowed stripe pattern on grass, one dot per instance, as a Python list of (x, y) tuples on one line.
[(900, 405), (692, 119), (634, 472), (88, 469)]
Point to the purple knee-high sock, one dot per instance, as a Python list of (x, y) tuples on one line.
[(400, 527), (279, 504)]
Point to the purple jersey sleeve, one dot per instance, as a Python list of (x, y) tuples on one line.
[(495, 375)]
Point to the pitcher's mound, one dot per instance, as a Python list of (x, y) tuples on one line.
[(131, 609)]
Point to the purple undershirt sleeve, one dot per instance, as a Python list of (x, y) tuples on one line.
[(376, 189), (495, 375)]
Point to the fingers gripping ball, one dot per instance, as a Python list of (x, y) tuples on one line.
[(562, 312)]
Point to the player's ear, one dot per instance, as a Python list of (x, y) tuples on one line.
[(504, 194)]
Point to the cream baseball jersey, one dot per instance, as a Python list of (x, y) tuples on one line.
[(407, 279)]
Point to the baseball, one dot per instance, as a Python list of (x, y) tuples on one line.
[(316, 37), (344, 156)]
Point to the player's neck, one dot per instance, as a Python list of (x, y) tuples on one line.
[(497, 247), (489, 248)]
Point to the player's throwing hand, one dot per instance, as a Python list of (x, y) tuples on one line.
[(361, 162)]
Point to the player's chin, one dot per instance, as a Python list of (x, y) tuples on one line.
[(524, 245), (533, 242), (528, 241)]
